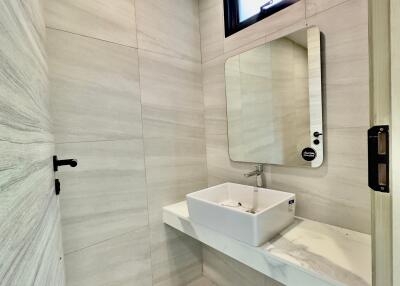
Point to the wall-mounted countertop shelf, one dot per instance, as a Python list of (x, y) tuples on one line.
[(307, 253)]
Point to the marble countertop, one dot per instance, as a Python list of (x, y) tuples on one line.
[(307, 253)]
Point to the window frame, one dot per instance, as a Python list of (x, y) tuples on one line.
[(231, 15)]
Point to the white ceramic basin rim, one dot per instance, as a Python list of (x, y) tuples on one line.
[(228, 208)]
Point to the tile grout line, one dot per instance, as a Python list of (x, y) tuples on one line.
[(327, 9), (305, 13), (98, 141), (100, 242), (89, 37), (144, 148), (204, 118), (184, 58)]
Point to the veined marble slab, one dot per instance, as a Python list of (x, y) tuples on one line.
[(30, 235), (307, 253)]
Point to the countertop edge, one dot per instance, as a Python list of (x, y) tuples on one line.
[(258, 258)]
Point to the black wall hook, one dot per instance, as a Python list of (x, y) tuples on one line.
[(68, 162)]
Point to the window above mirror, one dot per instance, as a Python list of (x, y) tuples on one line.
[(240, 14)]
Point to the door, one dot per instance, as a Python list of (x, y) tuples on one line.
[(395, 138), (384, 22), (30, 238)]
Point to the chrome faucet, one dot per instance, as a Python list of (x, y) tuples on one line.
[(258, 173)]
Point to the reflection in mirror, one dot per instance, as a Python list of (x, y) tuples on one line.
[(274, 102)]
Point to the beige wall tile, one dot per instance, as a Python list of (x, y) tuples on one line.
[(169, 27), (214, 97), (112, 21), (317, 6), (94, 89), (170, 83), (212, 29), (173, 129), (337, 193), (123, 260), (176, 258), (345, 57), (105, 196), (226, 271)]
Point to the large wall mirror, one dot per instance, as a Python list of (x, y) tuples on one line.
[(274, 102)]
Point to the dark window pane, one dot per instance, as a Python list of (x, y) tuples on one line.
[(240, 14)]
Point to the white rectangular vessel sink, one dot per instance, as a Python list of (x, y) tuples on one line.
[(249, 214)]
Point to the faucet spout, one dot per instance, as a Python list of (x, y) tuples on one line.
[(251, 174), (258, 173)]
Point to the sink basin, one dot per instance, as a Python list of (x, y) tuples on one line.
[(249, 214)]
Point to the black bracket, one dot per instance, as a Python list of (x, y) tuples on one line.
[(57, 163), (378, 158)]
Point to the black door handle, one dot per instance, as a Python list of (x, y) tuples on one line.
[(68, 162), (57, 163)]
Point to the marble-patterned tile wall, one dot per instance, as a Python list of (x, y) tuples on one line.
[(337, 193), (30, 238), (131, 111)]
